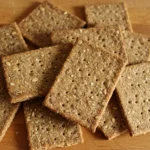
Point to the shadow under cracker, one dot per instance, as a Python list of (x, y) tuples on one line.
[(20, 130), (30, 45), (27, 12), (79, 11)]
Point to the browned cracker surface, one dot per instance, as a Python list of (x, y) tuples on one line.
[(137, 47), (112, 122), (133, 92), (47, 130), (108, 38), (30, 74), (108, 14), (11, 42), (85, 84), (38, 25)]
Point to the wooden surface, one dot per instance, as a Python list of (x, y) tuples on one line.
[(15, 138)]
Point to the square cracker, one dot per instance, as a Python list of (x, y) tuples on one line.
[(30, 74), (137, 47), (47, 130), (112, 123), (85, 84), (108, 14), (108, 38), (134, 96), (38, 25), (11, 42), (7, 110)]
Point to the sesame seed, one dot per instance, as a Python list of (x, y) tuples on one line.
[(35, 80), (65, 13), (8, 64), (12, 84)]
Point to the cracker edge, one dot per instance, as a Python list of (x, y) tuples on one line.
[(15, 108), (28, 96), (28, 137), (139, 35), (122, 110), (113, 136), (100, 28), (20, 36), (123, 113), (119, 134), (92, 128), (61, 30), (27, 36), (9, 120), (126, 13)]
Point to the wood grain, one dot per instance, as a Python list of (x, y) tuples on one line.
[(15, 138)]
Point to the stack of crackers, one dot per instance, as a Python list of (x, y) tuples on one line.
[(97, 77)]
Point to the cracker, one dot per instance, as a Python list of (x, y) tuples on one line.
[(108, 14), (112, 123), (30, 74), (85, 84), (7, 110), (47, 130), (133, 92), (108, 38), (137, 47), (11, 42), (38, 25)]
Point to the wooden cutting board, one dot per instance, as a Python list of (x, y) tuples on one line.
[(15, 138)]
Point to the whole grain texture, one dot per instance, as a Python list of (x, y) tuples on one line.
[(108, 38), (47, 17), (108, 14), (31, 74), (11, 42), (112, 122), (137, 47), (133, 93), (85, 84), (48, 130)]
